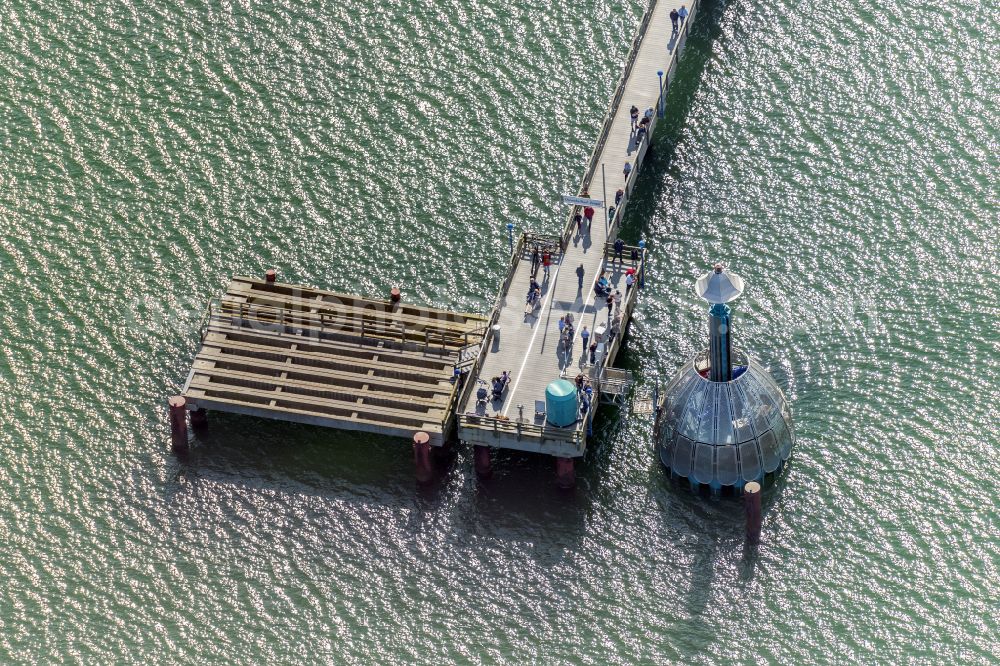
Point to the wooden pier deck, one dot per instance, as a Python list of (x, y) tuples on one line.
[(528, 346), (295, 353)]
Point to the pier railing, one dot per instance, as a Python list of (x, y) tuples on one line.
[(376, 327), (543, 242), (505, 426)]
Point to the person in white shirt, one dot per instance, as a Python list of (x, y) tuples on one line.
[(682, 13)]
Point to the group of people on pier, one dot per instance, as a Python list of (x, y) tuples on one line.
[(677, 17), (640, 128), (584, 393), (540, 257)]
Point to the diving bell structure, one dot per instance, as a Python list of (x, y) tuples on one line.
[(722, 420)]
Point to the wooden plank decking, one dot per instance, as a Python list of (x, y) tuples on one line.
[(295, 353)]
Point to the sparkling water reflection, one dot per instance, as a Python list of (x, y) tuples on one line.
[(841, 157)]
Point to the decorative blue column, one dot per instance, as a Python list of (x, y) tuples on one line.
[(720, 343)]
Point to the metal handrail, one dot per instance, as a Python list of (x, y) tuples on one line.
[(574, 436), (276, 319), (206, 319)]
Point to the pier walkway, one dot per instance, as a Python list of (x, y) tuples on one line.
[(528, 345)]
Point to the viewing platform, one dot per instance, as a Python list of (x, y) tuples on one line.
[(294, 353)]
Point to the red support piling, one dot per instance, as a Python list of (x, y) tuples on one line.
[(270, 275), (395, 295), (422, 457), (751, 503), (178, 421), (199, 419), (484, 467), (565, 473)]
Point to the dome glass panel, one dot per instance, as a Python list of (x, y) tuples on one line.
[(749, 461), (682, 456), (703, 463), (769, 451), (727, 472)]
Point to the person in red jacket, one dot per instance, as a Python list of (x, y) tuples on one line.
[(588, 213)]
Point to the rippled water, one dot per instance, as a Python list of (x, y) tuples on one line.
[(841, 157)]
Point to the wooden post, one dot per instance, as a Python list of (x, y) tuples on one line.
[(422, 457), (565, 473), (484, 467), (178, 422), (751, 503)]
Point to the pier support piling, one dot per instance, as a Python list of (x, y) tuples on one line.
[(178, 422), (751, 503), (422, 457), (565, 473), (271, 275), (484, 466)]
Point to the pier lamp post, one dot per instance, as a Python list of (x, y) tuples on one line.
[(510, 236), (659, 107)]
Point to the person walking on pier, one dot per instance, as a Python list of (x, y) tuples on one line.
[(634, 112), (588, 213), (562, 325), (682, 13), (619, 248), (627, 170), (546, 262), (629, 281), (536, 259), (673, 18), (578, 221), (585, 338), (580, 273)]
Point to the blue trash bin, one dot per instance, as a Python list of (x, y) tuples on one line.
[(560, 403)]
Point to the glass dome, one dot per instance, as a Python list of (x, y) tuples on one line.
[(724, 433)]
